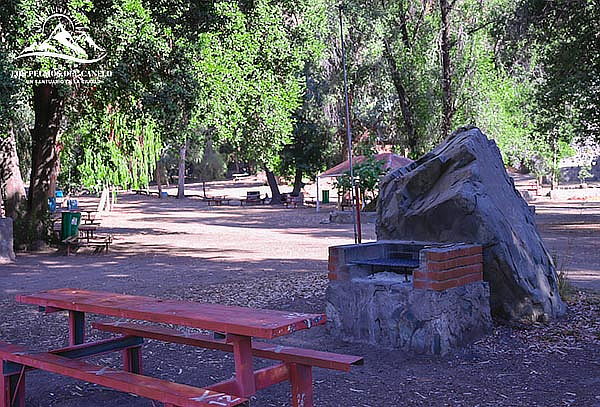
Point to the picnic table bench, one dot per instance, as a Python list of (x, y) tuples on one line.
[(87, 238), (345, 201), (253, 197), (238, 176), (217, 200), (239, 325), (145, 192), (98, 243), (92, 217), (293, 201)]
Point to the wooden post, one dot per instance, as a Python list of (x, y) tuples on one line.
[(12, 388), (76, 327), (244, 372), (317, 200), (358, 224), (132, 360), (302, 386)]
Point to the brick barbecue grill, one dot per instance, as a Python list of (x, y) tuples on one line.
[(422, 297)]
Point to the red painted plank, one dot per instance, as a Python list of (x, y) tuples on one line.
[(149, 387), (235, 320), (263, 378), (264, 350)]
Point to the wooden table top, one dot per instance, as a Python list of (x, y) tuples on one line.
[(214, 317)]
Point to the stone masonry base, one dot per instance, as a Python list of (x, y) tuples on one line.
[(385, 311)]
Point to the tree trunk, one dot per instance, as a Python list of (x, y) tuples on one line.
[(276, 195), (555, 170), (48, 106), (407, 116), (298, 184), (55, 172), (12, 188), (158, 177), (181, 183), (447, 108)]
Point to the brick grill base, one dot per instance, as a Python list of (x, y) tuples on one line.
[(444, 307)]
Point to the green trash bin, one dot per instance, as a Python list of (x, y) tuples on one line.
[(325, 196), (69, 224)]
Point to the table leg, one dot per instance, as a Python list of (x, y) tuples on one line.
[(76, 327), (132, 360), (302, 386), (244, 372), (12, 390)]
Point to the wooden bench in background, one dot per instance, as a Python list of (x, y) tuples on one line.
[(345, 201), (293, 201), (98, 243), (145, 192), (217, 200), (237, 177), (253, 198)]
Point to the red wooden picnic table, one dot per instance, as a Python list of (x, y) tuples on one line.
[(239, 325)]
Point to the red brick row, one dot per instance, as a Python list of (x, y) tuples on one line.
[(453, 263), (441, 254), (447, 284), (450, 274)]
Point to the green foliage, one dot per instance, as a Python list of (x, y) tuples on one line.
[(499, 107), (367, 174), (565, 35), (263, 78), (125, 156), (553, 47), (311, 147), (212, 166), (249, 80)]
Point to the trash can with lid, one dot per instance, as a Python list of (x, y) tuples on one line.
[(69, 224), (325, 196)]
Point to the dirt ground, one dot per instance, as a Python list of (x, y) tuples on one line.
[(277, 258)]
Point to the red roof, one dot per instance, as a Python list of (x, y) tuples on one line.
[(391, 161)]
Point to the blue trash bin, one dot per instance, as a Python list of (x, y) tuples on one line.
[(52, 204)]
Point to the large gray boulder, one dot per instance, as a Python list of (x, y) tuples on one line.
[(460, 192), (7, 254)]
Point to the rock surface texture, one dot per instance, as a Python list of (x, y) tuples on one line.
[(384, 310), (7, 254), (460, 192)]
